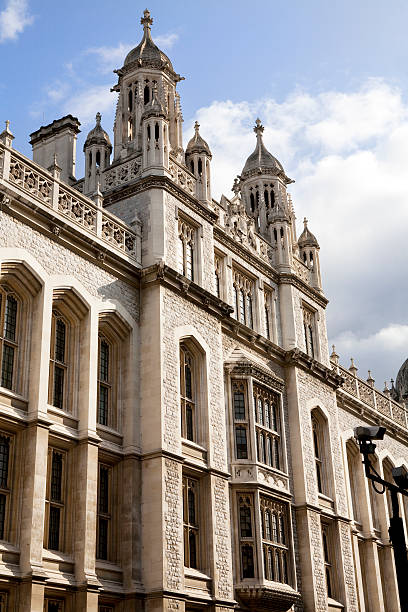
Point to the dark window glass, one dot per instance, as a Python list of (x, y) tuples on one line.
[(54, 606), (102, 552), (191, 508), (239, 406), (188, 378), (10, 318), (245, 521), (249, 317), (4, 461), (104, 362), (241, 442), (103, 405), (192, 541), (247, 561), (54, 528), (56, 477), (58, 398), (2, 515), (60, 335), (103, 489), (7, 367), (189, 423)]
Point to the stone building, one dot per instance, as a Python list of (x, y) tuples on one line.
[(174, 434)]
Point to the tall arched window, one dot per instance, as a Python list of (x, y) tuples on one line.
[(267, 427), (274, 540), (104, 381), (186, 243), (59, 361), (188, 393), (243, 288), (9, 307), (319, 439)]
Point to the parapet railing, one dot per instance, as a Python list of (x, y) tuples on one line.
[(367, 394), (46, 188)]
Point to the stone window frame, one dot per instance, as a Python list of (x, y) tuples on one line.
[(244, 298), (65, 365), (62, 504), (310, 317), (320, 439), (219, 274), (188, 243), (267, 421), (276, 540), (270, 323), (192, 528), (14, 343), (240, 386), (54, 602), (105, 515), (329, 558), (7, 489), (253, 375), (246, 499), (69, 306), (192, 346)]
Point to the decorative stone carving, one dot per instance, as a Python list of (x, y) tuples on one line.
[(239, 225)]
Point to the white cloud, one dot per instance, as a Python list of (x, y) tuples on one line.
[(166, 41), (14, 18), (348, 153), (86, 103)]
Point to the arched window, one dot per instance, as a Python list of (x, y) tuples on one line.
[(267, 426), (191, 522), (146, 94), (130, 101), (252, 201), (104, 381), (59, 362), (188, 394), (4, 483), (319, 438), (192, 166), (98, 158), (156, 132), (266, 198), (130, 129), (200, 167), (9, 311), (186, 243), (243, 302)]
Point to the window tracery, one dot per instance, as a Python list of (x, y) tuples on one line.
[(186, 244), (59, 361), (55, 501), (320, 435), (9, 314), (191, 522), (246, 535), (267, 420), (240, 416), (275, 540), (188, 393), (243, 289), (309, 331)]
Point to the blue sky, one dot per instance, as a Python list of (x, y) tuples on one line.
[(329, 81)]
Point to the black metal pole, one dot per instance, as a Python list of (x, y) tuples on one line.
[(397, 538), (396, 533)]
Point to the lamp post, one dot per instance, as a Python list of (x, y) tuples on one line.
[(365, 437)]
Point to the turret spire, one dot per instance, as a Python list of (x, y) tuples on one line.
[(146, 22)]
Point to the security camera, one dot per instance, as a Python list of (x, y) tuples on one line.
[(367, 434), (400, 475)]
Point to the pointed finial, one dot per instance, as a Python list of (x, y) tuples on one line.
[(55, 159), (196, 127), (259, 128), (98, 118), (370, 379), (353, 369), (386, 389), (305, 222), (146, 20), (334, 356), (7, 125)]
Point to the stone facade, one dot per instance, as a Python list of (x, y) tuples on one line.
[(174, 434)]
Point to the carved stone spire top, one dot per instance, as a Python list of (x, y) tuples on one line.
[(146, 21)]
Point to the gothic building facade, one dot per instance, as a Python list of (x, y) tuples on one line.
[(174, 435)]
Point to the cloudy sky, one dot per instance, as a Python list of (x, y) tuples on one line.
[(329, 81)]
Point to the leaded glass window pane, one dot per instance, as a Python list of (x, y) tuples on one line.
[(54, 528), (239, 406), (4, 461), (10, 318), (60, 338), (7, 367), (58, 396)]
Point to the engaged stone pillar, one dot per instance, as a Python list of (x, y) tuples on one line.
[(32, 521)]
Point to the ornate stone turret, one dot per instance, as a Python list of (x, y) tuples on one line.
[(262, 185), (147, 72), (198, 157), (155, 136), (309, 254), (97, 149)]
